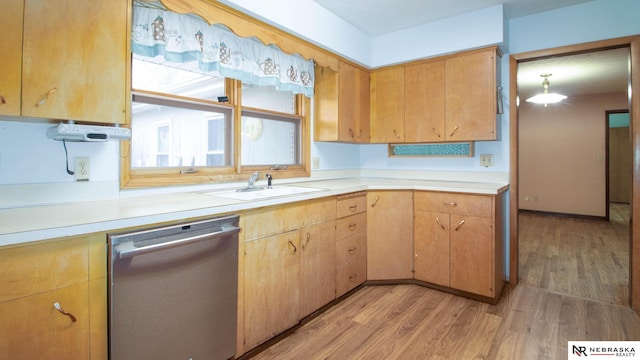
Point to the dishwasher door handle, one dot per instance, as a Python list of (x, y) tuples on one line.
[(131, 252)]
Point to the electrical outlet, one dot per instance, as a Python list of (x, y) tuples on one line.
[(486, 160), (82, 169), (315, 163)]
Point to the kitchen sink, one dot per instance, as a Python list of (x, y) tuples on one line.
[(263, 193)]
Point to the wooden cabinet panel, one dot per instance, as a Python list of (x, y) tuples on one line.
[(471, 96), (350, 275), (389, 235), (424, 107), (279, 219), (74, 60), (387, 105), (431, 250), (11, 59), (34, 268), (472, 260), (355, 225), (317, 266), (341, 104), (350, 249), (271, 286), (31, 328)]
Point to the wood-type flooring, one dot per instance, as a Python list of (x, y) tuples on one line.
[(574, 286)]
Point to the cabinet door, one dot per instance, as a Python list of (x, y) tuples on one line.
[(354, 95), (326, 121), (74, 60), (431, 247), (11, 59), (271, 286), (31, 328), (424, 107), (390, 235), (387, 105), (471, 96), (472, 261), (317, 266)]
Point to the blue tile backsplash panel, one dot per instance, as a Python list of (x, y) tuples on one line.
[(432, 150)]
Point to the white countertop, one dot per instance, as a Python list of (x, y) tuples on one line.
[(27, 224)]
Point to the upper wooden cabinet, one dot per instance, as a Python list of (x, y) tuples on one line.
[(387, 105), (74, 60), (341, 104), (11, 59), (450, 98)]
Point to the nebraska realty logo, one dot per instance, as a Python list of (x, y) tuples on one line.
[(603, 349)]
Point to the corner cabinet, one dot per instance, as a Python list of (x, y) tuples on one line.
[(458, 241), (70, 272), (73, 57), (341, 104)]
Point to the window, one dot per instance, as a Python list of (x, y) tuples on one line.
[(182, 134)]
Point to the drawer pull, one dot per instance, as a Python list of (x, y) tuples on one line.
[(295, 249), (353, 277), (450, 204), (59, 308), (435, 131), (438, 222), (353, 208), (351, 133), (454, 131), (396, 133), (459, 225), (46, 97), (375, 201), (352, 250), (352, 226)]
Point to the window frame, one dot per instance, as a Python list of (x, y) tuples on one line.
[(131, 178)]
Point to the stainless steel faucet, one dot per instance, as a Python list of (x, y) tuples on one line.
[(252, 179)]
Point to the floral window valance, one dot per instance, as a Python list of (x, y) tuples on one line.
[(190, 43)]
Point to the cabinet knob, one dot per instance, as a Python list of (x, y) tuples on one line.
[(59, 308), (46, 97)]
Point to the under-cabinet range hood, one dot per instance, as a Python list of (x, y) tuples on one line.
[(75, 132)]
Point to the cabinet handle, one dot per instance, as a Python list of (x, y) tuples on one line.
[(295, 249), (459, 225), (306, 244), (454, 131), (353, 208), (375, 201), (352, 277), (2, 100), (360, 134), (352, 226), (450, 204), (59, 308), (435, 131), (46, 97), (438, 222), (397, 135), (351, 133), (351, 250)]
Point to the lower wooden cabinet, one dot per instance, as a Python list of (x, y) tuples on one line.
[(35, 276), (458, 241), (317, 266), (389, 235)]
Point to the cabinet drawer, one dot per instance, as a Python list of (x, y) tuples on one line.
[(36, 268), (352, 225), (279, 219), (351, 204), (452, 203), (350, 248), (350, 275)]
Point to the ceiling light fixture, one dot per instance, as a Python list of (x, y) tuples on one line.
[(546, 97)]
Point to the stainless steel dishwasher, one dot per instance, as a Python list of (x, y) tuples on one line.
[(173, 291)]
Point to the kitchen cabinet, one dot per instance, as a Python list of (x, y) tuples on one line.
[(458, 241), (387, 105), (389, 235), (341, 103), (351, 242), (74, 60), (11, 60), (424, 106), (70, 272), (317, 266), (275, 286)]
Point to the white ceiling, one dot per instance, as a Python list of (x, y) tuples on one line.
[(596, 72)]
